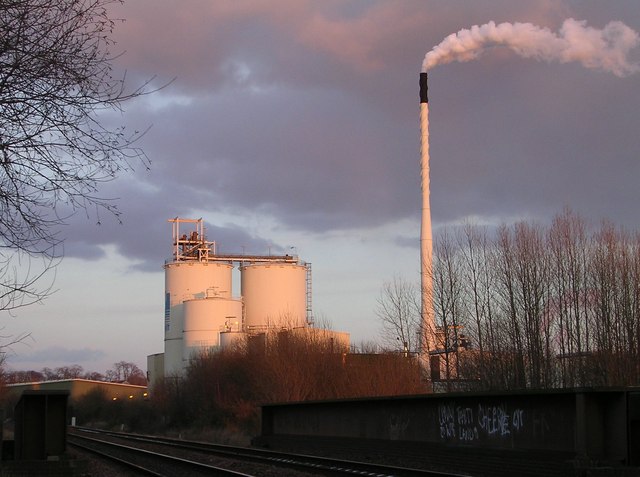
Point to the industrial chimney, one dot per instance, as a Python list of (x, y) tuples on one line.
[(427, 341)]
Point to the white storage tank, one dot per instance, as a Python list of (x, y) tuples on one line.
[(187, 280), (204, 320), (274, 295), (228, 339)]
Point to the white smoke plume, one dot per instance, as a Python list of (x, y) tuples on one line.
[(605, 49)]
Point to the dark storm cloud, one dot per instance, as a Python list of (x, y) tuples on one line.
[(307, 112), (531, 139), (142, 233), (316, 159)]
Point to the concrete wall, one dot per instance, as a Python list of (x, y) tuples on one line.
[(40, 425), (155, 370)]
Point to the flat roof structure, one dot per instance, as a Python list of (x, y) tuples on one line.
[(79, 387)]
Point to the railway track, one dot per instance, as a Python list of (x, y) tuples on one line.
[(147, 462), (161, 456)]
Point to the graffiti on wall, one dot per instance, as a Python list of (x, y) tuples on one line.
[(472, 423)]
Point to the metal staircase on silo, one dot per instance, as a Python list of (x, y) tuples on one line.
[(309, 288)]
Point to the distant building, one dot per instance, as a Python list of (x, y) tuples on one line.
[(79, 387)]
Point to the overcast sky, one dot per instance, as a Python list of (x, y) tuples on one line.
[(293, 123)]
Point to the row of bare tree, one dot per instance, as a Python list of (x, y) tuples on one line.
[(122, 371), (543, 306)]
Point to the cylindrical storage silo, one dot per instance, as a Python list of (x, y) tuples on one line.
[(274, 295), (229, 339), (186, 280), (204, 320)]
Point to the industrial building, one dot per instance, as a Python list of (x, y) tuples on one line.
[(76, 388), (201, 311)]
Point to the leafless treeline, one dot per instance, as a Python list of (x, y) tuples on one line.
[(122, 371), (543, 307)]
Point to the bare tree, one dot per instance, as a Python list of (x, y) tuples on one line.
[(570, 305), (479, 302), (124, 371), (448, 303), (74, 371), (56, 79), (398, 308), (93, 376), (31, 376)]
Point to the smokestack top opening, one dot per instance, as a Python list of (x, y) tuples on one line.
[(424, 98)]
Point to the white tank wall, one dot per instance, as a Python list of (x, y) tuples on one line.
[(204, 320), (231, 338), (173, 357), (274, 294), (186, 281)]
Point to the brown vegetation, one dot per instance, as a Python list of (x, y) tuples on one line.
[(224, 388)]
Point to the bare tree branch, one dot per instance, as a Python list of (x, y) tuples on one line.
[(56, 81)]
